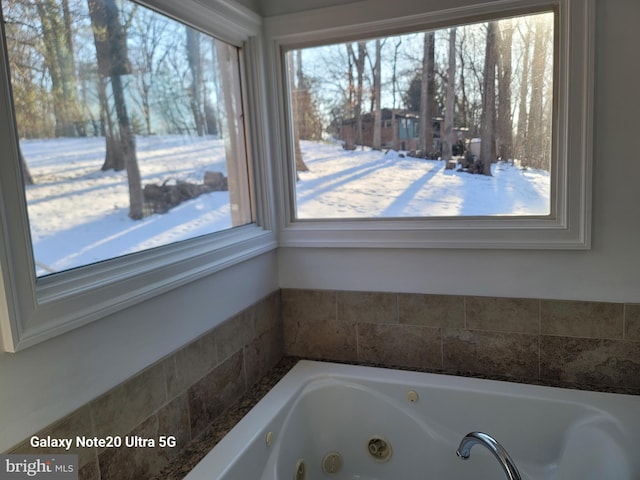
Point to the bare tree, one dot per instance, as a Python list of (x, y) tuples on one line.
[(487, 125), (449, 113), (148, 57), (504, 37), (309, 120), (535, 130), (376, 143), (427, 90), (522, 140), (296, 120), (59, 58), (394, 91), (196, 90), (358, 62), (111, 49)]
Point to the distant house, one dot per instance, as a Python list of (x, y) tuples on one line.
[(401, 125)]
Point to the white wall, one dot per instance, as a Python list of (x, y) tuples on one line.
[(270, 8), (253, 5), (43, 383), (610, 271)]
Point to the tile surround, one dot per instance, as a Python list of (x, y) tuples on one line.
[(582, 319), (431, 310), (179, 395), (632, 321), (593, 345)]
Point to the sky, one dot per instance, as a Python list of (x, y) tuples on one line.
[(78, 214)]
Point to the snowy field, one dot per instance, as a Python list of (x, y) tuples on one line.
[(368, 183), (79, 214)]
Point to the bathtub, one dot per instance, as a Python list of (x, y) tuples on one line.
[(334, 421)]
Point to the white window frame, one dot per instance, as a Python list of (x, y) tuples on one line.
[(33, 310), (568, 225)]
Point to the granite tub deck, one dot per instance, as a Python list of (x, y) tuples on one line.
[(201, 446)]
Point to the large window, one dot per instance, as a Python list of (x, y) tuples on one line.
[(126, 155), (130, 129), (397, 126), (467, 127)]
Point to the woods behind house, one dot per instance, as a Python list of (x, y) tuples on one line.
[(434, 93), (114, 69)]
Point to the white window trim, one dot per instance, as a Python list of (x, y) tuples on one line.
[(33, 310), (568, 226)]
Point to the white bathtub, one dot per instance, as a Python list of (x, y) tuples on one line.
[(318, 408)]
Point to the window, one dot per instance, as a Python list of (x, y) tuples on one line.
[(445, 128), (487, 83), (131, 169)]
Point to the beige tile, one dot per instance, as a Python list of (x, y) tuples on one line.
[(264, 352), (173, 421), (127, 405), (503, 314), (308, 305), (581, 319), (632, 321), (400, 345), (496, 353), (268, 313), (431, 310), (75, 424), (312, 329), (190, 363), (235, 333), (590, 361), (215, 392), (369, 307)]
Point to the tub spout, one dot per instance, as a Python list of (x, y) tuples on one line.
[(498, 451)]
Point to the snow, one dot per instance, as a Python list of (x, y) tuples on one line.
[(79, 214), (369, 183)]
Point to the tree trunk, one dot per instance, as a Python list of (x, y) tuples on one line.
[(114, 158), (60, 64), (295, 118), (376, 143), (449, 114), (487, 124), (196, 92), (427, 90), (394, 82), (505, 123), (522, 140), (27, 179), (536, 151), (127, 143), (358, 62), (111, 49)]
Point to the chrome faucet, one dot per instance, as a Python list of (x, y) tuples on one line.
[(498, 451)]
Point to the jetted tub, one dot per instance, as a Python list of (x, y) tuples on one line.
[(334, 421)]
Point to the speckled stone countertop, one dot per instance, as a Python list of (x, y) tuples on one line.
[(198, 448)]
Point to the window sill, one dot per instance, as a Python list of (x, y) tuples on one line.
[(75, 298), (525, 233)]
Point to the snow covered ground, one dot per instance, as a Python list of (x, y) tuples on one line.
[(79, 214), (368, 183)]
